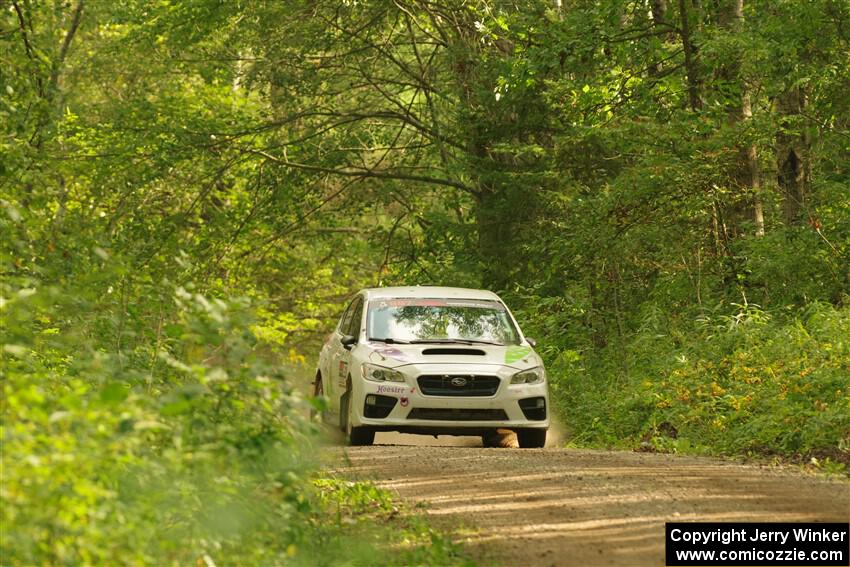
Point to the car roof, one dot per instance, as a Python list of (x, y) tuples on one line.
[(430, 292)]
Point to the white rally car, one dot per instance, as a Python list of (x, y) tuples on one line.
[(435, 361)]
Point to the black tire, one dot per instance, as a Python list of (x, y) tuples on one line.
[(355, 436), (531, 438), (361, 436), (318, 391), (498, 439)]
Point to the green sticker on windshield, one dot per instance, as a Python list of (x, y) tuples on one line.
[(514, 353)]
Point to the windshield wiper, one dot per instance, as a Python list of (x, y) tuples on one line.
[(455, 341), (389, 341), (482, 342)]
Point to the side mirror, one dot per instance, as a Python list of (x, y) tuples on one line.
[(348, 341), (531, 341)]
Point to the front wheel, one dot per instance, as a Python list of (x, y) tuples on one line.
[(356, 436), (318, 392), (531, 438), (361, 436), (499, 438)]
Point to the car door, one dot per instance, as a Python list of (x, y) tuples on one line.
[(350, 326), (337, 366), (329, 361)]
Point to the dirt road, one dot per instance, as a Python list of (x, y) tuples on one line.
[(559, 507)]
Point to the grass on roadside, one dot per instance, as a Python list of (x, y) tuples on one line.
[(359, 519), (755, 384)]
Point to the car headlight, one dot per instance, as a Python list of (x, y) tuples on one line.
[(377, 373), (532, 376)]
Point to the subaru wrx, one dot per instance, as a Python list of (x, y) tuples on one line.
[(434, 361)]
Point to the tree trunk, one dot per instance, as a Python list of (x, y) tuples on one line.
[(753, 173), (493, 241), (658, 13), (792, 157), (747, 177), (691, 71)]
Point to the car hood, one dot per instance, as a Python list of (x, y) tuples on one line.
[(396, 355)]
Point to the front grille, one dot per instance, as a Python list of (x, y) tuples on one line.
[(458, 414), (458, 385)]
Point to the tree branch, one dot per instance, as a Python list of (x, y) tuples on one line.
[(364, 173), (27, 45), (66, 44)]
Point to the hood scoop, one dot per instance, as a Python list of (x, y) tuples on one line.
[(457, 351)]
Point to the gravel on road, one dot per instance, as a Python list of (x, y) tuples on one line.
[(559, 507)]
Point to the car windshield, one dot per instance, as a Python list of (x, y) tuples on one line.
[(440, 320)]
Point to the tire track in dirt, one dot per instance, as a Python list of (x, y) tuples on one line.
[(559, 507)]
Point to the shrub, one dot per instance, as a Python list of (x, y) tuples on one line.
[(179, 449)]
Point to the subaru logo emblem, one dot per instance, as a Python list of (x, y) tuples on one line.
[(459, 381)]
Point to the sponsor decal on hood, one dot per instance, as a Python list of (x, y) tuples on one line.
[(391, 352), (514, 353)]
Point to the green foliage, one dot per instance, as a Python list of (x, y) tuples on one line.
[(742, 383), (193, 448), (156, 159), (643, 234), (145, 416), (370, 518), (162, 454)]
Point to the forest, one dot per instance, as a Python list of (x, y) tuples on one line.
[(191, 189)]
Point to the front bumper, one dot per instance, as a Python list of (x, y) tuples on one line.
[(417, 412)]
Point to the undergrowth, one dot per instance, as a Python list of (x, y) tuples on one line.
[(177, 443), (747, 382)]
